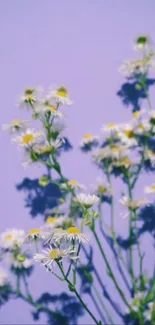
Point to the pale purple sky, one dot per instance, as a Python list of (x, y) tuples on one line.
[(77, 43)]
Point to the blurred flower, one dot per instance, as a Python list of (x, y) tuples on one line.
[(50, 256), (142, 128), (70, 234), (3, 277), (29, 138), (34, 234), (73, 184), (150, 313), (15, 126), (50, 236), (46, 106), (124, 162), (20, 261), (60, 95), (52, 222), (150, 189), (111, 128), (112, 151), (137, 115), (149, 155), (12, 238), (100, 188), (135, 303), (142, 43), (133, 68), (57, 126), (30, 97), (89, 139), (133, 205), (86, 199)]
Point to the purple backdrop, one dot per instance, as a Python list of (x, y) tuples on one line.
[(80, 44)]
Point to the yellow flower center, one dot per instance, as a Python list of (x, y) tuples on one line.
[(141, 127), (55, 254), (88, 136), (50, 220), (73, 230), (73, 182), (101, 189), (111, 125), (129, 133), (29, 94), (45, 149), (153, 187), (28, 138), (137, 63), (9, 237), (115, 148), (136, 114), (62, 92), (16, 122), (34, 232)]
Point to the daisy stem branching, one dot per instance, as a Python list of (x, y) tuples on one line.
[(109, 268), (73, 289)]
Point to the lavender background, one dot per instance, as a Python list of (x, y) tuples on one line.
[(80, 44)]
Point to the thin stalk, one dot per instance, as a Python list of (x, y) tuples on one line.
[(78, 296), (110, 270)]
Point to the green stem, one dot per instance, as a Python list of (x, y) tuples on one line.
[(110, 270), (78, 296)]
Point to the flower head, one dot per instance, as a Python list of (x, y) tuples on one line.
[(20, 261), (12, 238), (3, 277), (150, 313), (137, 67), (15, 126), (89, 140), (142, 43), (29, 138), (70, 234), (87, 200), (34, 234), (50, 256), (150, 189), (73, 184), (60, 95), (30, 97), (133, 205), (135, 303), (48, 106)]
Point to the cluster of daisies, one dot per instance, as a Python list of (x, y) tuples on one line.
[(137, 304), (39, 144), (58, 236)]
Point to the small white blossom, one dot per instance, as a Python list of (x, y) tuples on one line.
[(30, 97), (133, 205), (70, 234), (11, 238), (20, 261), (34, 234), (50, 256), (3, 277), (150, 311), (73, 184), (150, 189), (60, 95), (89, 139), (133, 68), (135, 303), (29, 138), (46, 106), (15, 126), (87, 200)]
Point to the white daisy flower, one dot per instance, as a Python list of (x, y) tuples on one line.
[(150, 155), (57, 143), (50, 236), (52, 222), (133, 205), (70, 234), (111, 152), (100, 188), (30, 97), (29, 138), (50, 256), (42, 149), (87, 200), (135, 303), (3, 277), (15, 126), (47, 106), (142, 128), (151, 311), (133, 68), (111, 128), (142, 43), (34, 234), (89, 139), (137, 115), (125, 162), (12, 238), (20, 261), (74, 185), (150, 189), (60, 95)]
